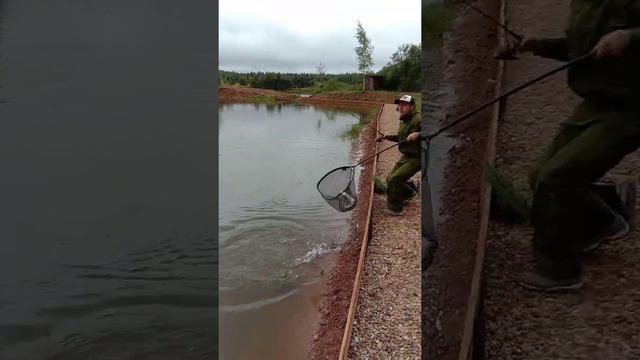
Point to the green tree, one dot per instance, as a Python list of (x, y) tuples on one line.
[(364, 52), (403, 72), (321, 69), (285, 81)]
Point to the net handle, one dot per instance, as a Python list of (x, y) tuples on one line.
[(376, 154)]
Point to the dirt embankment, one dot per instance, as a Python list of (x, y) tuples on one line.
[(337, 297), (359, 96), (243, 94), (332, 99), (470, 69)]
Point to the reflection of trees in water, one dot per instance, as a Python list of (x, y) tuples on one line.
[(354, 148), (298, 107), (270, 108), (363, 116), (331, 114)]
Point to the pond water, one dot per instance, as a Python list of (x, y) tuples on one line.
[(107, 219), (276, 231)]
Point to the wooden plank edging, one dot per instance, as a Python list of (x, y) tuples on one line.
[(466, 346), (346, 338)]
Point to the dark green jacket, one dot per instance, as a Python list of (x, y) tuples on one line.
[(408, 124), (616, 78)]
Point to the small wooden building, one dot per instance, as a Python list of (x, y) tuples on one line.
[(373, 82)]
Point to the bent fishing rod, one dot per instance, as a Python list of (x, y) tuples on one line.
[(506, 94), (477, 9), (368, 124), (430, 243), (504, 54), (474, 111)]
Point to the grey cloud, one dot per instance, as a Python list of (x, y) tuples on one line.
[(265, 47)]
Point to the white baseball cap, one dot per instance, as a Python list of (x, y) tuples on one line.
[(405, 98)]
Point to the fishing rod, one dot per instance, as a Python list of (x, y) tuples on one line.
[(506, 94), (486, 104), (429, 236), (368, 124), (504, 54), (337, 186), (483, 106), (511, 32)]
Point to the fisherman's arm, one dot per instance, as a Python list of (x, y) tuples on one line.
[(393, 138), (416, 128), (551, 48)]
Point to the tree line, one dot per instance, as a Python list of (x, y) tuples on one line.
[(283, 81), (402, 73)]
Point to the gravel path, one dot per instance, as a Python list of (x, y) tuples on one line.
[(469, 69), (339, 284), (387, 321), (602, 321)]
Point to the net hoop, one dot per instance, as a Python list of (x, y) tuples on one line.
[(346, 188)]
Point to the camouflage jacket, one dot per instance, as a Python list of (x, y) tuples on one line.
[(408, 124), (617, 79)]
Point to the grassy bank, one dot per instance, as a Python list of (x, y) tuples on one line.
[(268, 100), (330, 85), (354, 130), (321, 98)]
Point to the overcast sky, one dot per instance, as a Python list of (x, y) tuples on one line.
[(295, 35)]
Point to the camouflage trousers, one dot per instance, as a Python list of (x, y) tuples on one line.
[(398, 190), (566, 209)]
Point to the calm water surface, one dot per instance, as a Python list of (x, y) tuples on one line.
[(108, 214), (275, 228)]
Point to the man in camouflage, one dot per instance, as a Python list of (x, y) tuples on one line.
[(568, 217), (399, 188)]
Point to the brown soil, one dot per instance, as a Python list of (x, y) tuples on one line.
[(468, 52), (339, 286), (353, 100), (367, 96), (243, 94), (602, 320)]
